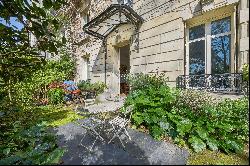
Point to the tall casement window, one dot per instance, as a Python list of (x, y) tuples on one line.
[(209, 47)]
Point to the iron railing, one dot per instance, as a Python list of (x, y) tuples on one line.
[(225, 83)]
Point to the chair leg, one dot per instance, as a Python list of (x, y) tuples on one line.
[(117, 135), (126, 132), (121, 142), (93, 145)]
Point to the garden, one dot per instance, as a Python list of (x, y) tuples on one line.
[(38, 94), (195, 120), (36, 104)]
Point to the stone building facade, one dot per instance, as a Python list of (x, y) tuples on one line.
[(176, 37)]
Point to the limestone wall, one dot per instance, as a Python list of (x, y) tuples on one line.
[(243, 33), (161, 37)]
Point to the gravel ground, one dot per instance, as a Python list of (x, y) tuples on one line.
[(141, 150)]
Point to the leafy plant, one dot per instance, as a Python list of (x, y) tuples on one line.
[(150, 108), (222, 126), (141, 81), (97, 87), (246, 72), (30, 146), (85, 85), (35, 87), (56, 95), (20, 58), (194, 100), (191, 117)]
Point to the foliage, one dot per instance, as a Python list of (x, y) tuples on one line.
[(29, 146), (208, 157), (151, 106), (85, 85), (20, 58), (25, 76), (35, 86), (35, 18), (194, 100), (141, 81), (97, 87), (246, 72), (192, 119), (17, 145), (56, 96)]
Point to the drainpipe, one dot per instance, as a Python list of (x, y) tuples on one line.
[(105, 59), (185, 27), (236, 36)]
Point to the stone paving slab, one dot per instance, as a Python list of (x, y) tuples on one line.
[(107, 106), (141, 150)]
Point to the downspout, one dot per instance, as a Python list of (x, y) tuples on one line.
[(105, 59), (237, 39), (185, 27), (185, 56)]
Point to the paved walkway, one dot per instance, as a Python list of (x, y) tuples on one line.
[(107, 106), (142, 150)]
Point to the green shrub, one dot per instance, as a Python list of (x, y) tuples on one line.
[(191, 117), (141, 81), (97, 87), (151, 106), (222, 126), (245, 72), (35, 86), (56, 95), (32, 146), (194, 100), (84, 85)]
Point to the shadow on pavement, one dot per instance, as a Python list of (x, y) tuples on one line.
[(142, 150)]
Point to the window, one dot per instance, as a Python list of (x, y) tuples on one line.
[(197, 50), (209, 48)]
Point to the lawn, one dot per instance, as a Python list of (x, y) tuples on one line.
[(208, 157)]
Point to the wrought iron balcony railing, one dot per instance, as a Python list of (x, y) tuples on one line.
[(225, 83)]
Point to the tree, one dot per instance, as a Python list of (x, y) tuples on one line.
[(17, 57)]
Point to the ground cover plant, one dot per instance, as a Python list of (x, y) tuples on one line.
[(22, 116), (24, 77), (208, 157), (191, 118), (28, 146)]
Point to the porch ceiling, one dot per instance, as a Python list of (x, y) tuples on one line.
[(110, 19)]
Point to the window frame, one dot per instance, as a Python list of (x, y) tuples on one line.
[(208, 39)]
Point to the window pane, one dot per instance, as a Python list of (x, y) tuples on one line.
[(221, 26), (221, 50), (197, 57), (197, 32)]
